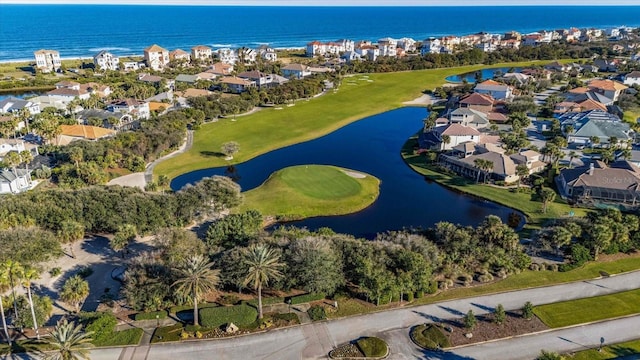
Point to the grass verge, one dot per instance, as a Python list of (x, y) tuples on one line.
[(122, 338), (312, 190), (586, 310), (372, 347), (626, 350)]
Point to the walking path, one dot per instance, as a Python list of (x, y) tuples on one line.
[(314, 340), (148, 172)]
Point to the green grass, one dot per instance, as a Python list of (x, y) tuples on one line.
[(622, 350), (632, 116), (162, 314), (429, 336), (122, 338), (311, 190), (272, 129), (167, 333), (586, 310), (241, 315), (372, 347)]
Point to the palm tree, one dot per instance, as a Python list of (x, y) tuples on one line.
[(26, 157), (125, 235), (74, 291), (12, 160), (70, 232), (572, 155), (522, 171), (28, 275), (196, 277), (76, 154), (13, 270), (69, 342), (261, 264), (446, 140), (4, 281), (594, 140)]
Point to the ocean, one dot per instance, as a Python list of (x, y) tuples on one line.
[(83, 30)]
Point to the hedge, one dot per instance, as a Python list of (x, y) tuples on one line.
[(240, 315), (177, 309), (372, 347), (301, 299), (317, 313), (429, 337), (162, 314)]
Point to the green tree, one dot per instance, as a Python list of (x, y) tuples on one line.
[(123, 237), (195, 278), (470, 320), (12, 160), (76, 154), (4, 282), (262, 264), (69, 342), (230, 148), (522, 171), (527, 310), (70, 231), (42, 308), (234, 230), (74, 291), (28, 276), (313, 265), (547, 195), (572, 155), (499, 315), (14, 270)]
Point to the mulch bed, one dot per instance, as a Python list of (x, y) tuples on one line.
[(486, 329)]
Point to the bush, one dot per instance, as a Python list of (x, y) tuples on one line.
[(317, 313), (429, 336), (287, 317), (485, 278), (433, 287), (162, 314), (229, 300), (410, 296), (240, 315), (103, 325), (42, 307), (527, 310), (177, 309), (552, 267), (56, 271), (372, 347), (167, 333), (301, 299)]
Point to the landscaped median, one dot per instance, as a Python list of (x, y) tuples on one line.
[(304, 191), (365, 347)]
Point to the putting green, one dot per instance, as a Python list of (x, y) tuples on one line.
[(312, 190)]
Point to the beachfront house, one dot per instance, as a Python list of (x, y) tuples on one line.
[(156, 57), (267, 53), (105, 60), (200, 53), (47, 60), (227, 56), (179, 56)]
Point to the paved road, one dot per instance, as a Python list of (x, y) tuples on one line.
[(315, 340)]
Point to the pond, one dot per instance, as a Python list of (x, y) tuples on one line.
[(484, 73), (371, 145), (20, 95)]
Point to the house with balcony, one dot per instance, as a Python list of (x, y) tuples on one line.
[(200, 53), (14, 182), (267, 53), (105, 60), (227, 56), (137, 109), (156, 57), (446, 137), (495, 89), (609, 88), (295, 71), (236, 85), (180, 56), (15, 105), (47, 60)]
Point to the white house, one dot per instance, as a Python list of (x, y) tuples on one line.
[(47, 60), (431, 46), (227, 56), (632, 78), (138, 109), (14, 182), (497, 90), (449, 136), (8, 145), (132, 65), (388, 46), (14, 104), (267, 53), (67, 91), (180, 55), (156, 57), (105, 60), (297, 71), (200, 52), (408, 44)]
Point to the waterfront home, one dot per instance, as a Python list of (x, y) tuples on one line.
[(267, 53), (296, 71), (368, 52), (477, 101), (14, 105), (227, 56), (105, 60), (431, 46), (407, 44), (351, 56), (448, 136), (247, 56), (113, 120), (156, 57), (132, 65), (200, 53), (235, 84), (497, 90), (13, 182), (609, 88), (632, 78), (47, 60), (532, 159), (388, 47), (179, 56), (463, 161), (333, 48), (599, 184), (517, 78), (137, 109), (594, 123), (69, 133)]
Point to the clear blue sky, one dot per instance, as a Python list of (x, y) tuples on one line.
[(337, 2)]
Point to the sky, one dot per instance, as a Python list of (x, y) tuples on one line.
[(335, 2)]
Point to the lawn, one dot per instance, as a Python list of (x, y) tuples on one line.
[(632, 115), (625, 350), (359, 96), (586, 310), (312, 190)]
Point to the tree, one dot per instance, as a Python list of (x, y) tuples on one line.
[(76, 154), (26, 157), (313, 265), (123, 237), (4, 282), (499, 315), (594, 140), (230, 148), (261, 265), (446, 140), (28, 276), (69, 342), (547, 195), (195, 278), (12, 160), (14, 271), (470, 320), (572, 155), (522, 171), (70, 231), (74, 291), (527, 310)]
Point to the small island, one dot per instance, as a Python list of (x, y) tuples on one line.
[(305, 191)]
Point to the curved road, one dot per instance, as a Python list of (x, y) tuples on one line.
[(313, 341)]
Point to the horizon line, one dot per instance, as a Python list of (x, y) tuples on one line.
[(329, 3)]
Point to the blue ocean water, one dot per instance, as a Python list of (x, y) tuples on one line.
[(83, 30)]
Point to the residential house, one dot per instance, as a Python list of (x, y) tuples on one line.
[(557, 66), (296, 71), (476, 101), (517, 78), (632, 78), (609, 88), (156, 57), (69, 133), (9, 145), (388, 47), (606, 65), (531, 158), (99, 90), (67, 91), (532, 39), (132, 65), (469, 117), (105, 60), (236, 84), (112, 120), (583, 93), (351, 56), (14, 182), (137, 109), (227, 56), (10, 118), (47, 60), (14, 105), (368, 52), (333, 48), (220, 68), (594, 123), (200, 53), (267, 53), (431, 46), (407, 44), (247, 55), (497, 90), (261, 79), (618, 183), (448, 136), (180, 56), (462, 160), (186, 78)]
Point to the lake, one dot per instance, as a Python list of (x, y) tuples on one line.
[(371, 145), (485, 74)]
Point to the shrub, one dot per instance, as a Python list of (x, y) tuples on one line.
[(177, 309), (301, 299), (552, 267), (410, 297), (433, 287), (317, 313), (240, 315), (429, 336), (103, 325), (499, 314), (229, 300), (162, 314), (372, 347), (534, 267), (485, 278), (527, 310), (42, 307), (56, 271), (470, 320), (287, 317)]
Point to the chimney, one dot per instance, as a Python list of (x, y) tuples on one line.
[(591, 169)]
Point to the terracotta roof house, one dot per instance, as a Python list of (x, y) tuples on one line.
[(180, 55), (590, 104), (477, 101), (220, 68), (566, 106), (609, 88), (156, 57), (497, 90), (598, 183), (236, 84), (200, 52), (71, 133)]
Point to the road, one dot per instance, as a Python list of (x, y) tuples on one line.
[(314, 341)]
